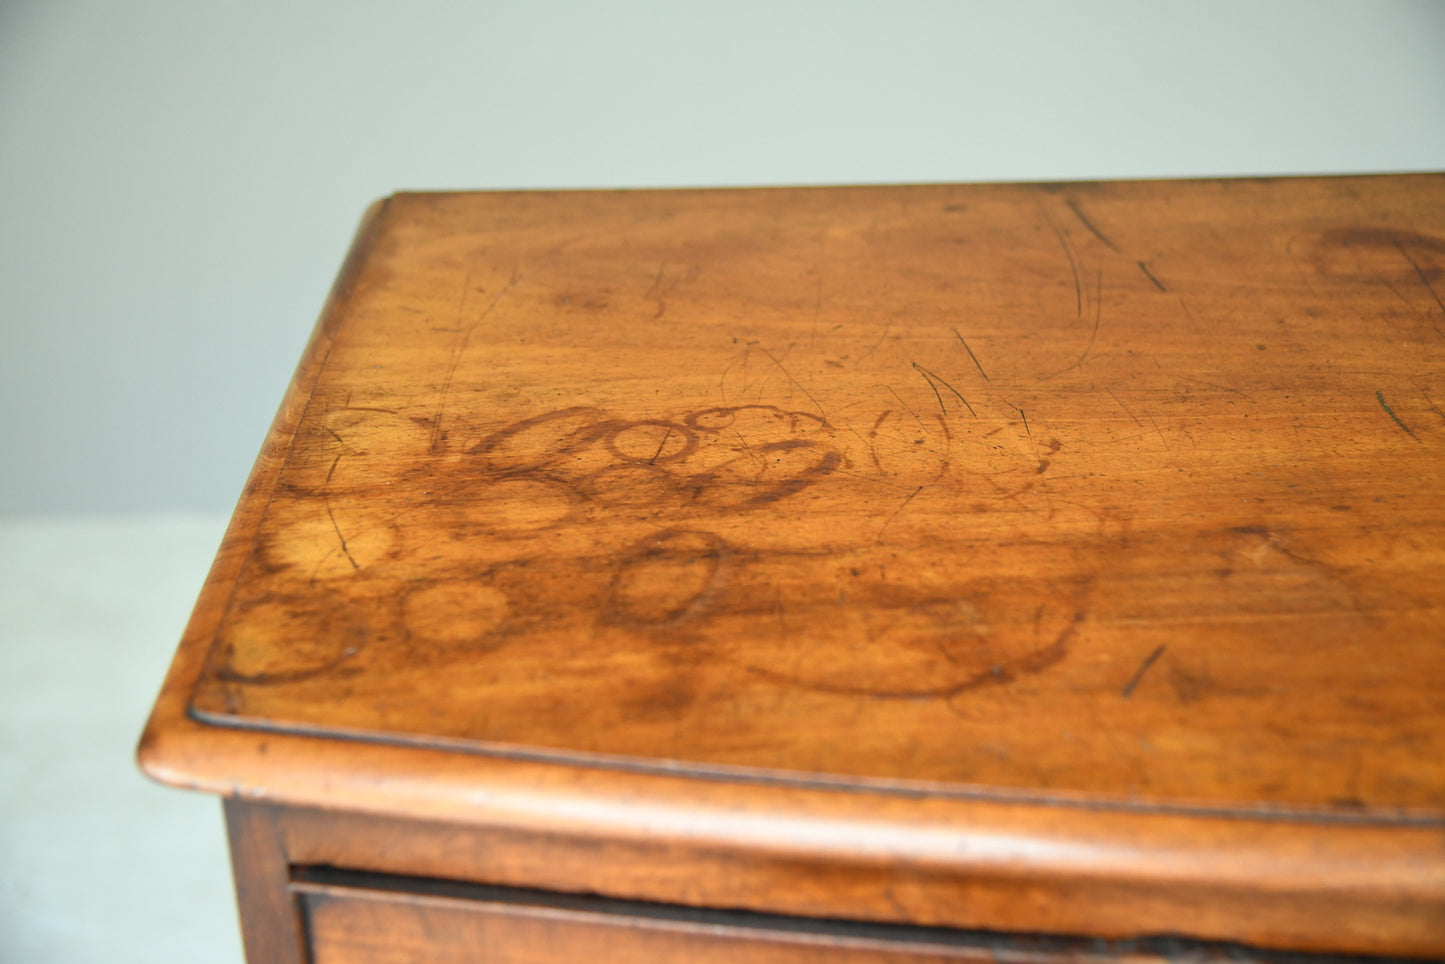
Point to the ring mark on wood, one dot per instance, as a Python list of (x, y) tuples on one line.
[(748, 480), (321, 642), (714, 419), (516, 507), (667, 579), (1000, 673), (536, 442), (651, 441), (455, 613), (629, 485)]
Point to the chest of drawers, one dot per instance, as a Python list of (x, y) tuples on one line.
[(1024, 572)]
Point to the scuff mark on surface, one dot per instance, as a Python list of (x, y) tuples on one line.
[(1138, 676), (971, 355), (1093, 228), (1380, 397)]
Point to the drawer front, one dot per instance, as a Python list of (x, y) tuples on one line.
[(352, 923), (405, 929)]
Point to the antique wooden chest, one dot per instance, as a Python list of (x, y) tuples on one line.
[(1025, 572)]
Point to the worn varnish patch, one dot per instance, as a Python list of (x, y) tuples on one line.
[(1127, 497)]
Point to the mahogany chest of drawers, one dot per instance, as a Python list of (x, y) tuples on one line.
[(1011, 572)]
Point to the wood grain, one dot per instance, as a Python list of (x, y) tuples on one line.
[(717, 478), (270, 915), (1095, 528)]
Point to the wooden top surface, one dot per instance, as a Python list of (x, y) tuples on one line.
[(1123, 490), (1123, 496)]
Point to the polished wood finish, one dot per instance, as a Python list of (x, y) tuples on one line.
[(1063, 558)]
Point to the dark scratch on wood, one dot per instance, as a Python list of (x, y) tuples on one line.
[(869, 478), (659, 292), (334, 463), (1150, 275), (333, 434), (1429, 401), (1073, 264), (789, 376), (1401, 298), (1098, 313), (1218, 387), (1424, 280), (1139, 673), (971, 355), (874, 347), (1124, 407), (906, 406), (746, 448), (889, 521), (665, 436), (1093, 334), (1022, 416), (461, 346), (1379, 396), (1090, 225), (817, 309), (723, 378), (342, 539), (773, 369), (942, 407), (930, 377), (1162, 439), (452, 366), (947, 433), (1188, 314), (1040, 661)]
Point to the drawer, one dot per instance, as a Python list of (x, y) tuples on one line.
[(373, 919)]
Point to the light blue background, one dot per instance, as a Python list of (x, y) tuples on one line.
[(179, 180)]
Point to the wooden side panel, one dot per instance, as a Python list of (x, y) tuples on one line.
[(270, 923)]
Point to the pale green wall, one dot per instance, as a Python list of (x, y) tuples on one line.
[(178, 180)]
